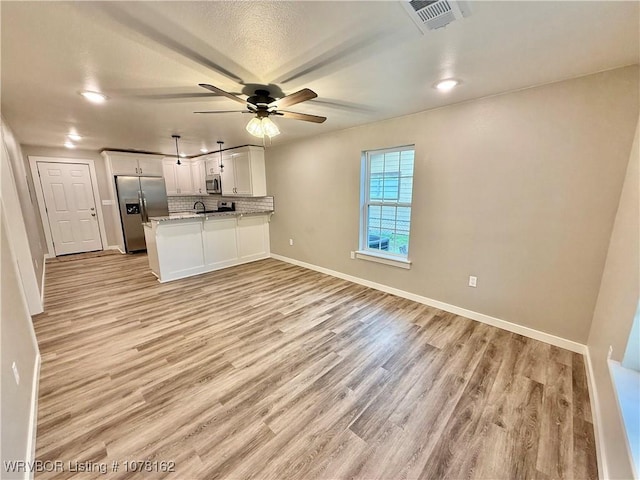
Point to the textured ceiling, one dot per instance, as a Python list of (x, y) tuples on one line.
[(367, 61)]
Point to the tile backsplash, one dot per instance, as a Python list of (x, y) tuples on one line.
[(243, 204)]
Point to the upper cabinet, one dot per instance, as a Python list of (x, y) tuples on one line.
[(178, 178), (188, 178), (212, 164), (122, 163), (243, 172), (198, 177), (169, 174)]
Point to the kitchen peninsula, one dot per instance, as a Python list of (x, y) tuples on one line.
[(184, 244)]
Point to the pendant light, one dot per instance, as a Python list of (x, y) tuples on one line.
[(220, 143), (176, 137)]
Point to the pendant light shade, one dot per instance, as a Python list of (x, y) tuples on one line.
[(259, 127), (176, 137)]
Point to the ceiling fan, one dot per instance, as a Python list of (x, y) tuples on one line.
[(263, 105)]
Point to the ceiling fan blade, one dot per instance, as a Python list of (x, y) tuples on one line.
[(301, 96), (226, 111), (301, 116), (222, 92)]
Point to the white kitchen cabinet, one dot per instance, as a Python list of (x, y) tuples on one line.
[(243, 172), (123, 163), (219, 240), (178, 248), (181, 243), (178, 178), (169, 174), (184, 178), (212, 164), (198, 180), (253, 237), (150, 166)]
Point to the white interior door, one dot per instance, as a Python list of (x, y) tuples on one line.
[(71, 208)]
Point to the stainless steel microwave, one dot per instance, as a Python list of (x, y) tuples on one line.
[(214, 183)]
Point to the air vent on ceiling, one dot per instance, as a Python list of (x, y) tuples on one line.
[(432, 14)]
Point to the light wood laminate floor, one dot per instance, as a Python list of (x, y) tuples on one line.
[(271, 371)]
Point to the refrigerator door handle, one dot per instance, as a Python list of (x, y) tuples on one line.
[(141, 203), (145, 217)]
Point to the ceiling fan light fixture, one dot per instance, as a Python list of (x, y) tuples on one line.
[(447, 84), (269, 128), (259, 127), (254, 127)]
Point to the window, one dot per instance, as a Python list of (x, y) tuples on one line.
[(385, 217)]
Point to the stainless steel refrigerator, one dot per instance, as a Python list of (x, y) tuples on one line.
[(139, 198)]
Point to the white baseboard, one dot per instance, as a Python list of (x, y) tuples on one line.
[(480, 317), (603, 470), (44, 272), (33, 416), (115, 247)]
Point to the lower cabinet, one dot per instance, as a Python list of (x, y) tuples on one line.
[(184, 242), (185, 247), (220, 244), (252, 238)]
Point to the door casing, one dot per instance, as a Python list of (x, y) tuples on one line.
[(33, 163)]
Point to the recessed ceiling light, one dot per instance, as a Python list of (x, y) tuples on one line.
[(69, 144), (183, 155), (94, 97), (446, 85), (74, 136), (204, 150)]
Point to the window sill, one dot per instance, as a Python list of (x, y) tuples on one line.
[(626, 383), (385, 259)]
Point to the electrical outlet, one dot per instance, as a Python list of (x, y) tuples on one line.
[(291, 242), (353, 255), (473, 281), (16, 375)]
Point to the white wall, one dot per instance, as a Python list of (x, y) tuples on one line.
[(22, 226), (614, 313), (17, 338), (21, 199), (519, 189)]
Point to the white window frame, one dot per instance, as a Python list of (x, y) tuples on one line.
[(364, 252)]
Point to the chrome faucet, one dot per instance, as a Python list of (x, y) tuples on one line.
[(201, 203)]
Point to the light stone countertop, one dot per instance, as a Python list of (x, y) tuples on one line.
[(192, 214)]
